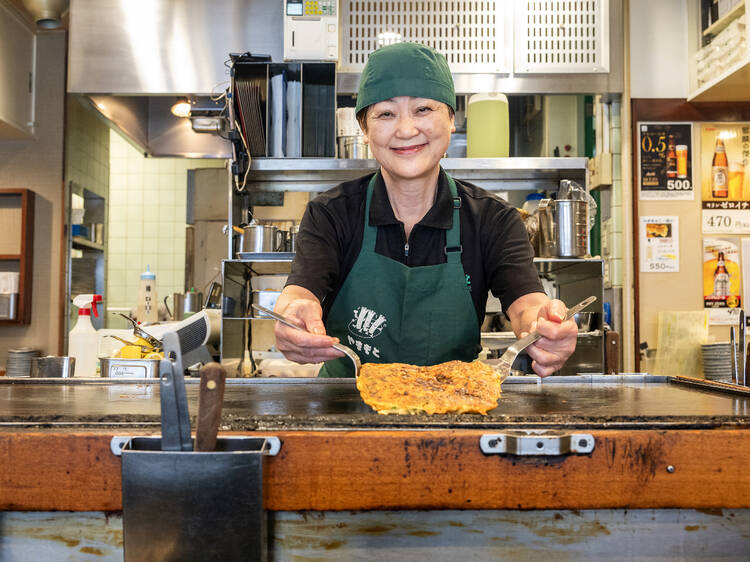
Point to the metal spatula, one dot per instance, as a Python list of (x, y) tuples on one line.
[(348, 351), (507, 359)]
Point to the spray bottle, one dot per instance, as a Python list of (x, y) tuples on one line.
[(82, 340), (148, 304)]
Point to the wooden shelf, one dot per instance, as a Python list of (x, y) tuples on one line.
[(733, 85), (24, 200), (719, 26)]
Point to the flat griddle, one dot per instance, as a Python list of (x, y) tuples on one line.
[(585, 401)]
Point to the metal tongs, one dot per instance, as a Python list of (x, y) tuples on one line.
[(348, 351), (503, 368), (138, 331)]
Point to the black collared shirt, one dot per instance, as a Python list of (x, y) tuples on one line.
[(497, 255)]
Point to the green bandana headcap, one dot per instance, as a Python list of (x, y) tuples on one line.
[(406, 69)]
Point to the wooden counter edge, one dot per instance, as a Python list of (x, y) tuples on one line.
[(440, 469)]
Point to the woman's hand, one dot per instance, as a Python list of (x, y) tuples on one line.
[(305, 311), (558, 340)]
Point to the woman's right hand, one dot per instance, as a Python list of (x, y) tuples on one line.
[(298, 346)]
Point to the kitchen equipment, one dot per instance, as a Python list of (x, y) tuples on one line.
[(718, 362), (265, 298), (311, 30), (138, 331), (291, 245), (178, 306), (189, 341), (214, 296), (210, 397), (18, 363), (53, 367), (353, 147), (119, 368), (547, 229), (585, 321), (193, 303), (261, 238), (571, 228), (349, 352), (503, 367)]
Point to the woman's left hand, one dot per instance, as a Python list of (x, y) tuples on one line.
[(558, 340)]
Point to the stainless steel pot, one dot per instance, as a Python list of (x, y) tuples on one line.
[(353, 147), (261, 238), (53, 367), (193, 303), (572, 228)]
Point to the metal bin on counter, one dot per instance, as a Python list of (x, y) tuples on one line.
[(186, 505)]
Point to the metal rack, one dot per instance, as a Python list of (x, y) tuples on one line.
[(575, 279)]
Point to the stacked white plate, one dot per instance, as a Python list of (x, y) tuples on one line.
[(717, 361), (19, 361)]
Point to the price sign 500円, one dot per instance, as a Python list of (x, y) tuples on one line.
[(665, 168)]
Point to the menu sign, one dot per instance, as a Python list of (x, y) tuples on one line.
[(721, 280), (659, 245), (665, 168), (725, 153)]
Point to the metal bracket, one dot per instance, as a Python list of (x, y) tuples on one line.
[(525, 443), (271, 447)]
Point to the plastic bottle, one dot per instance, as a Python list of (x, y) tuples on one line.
[(532, 202), (148, 303), (82, 339)]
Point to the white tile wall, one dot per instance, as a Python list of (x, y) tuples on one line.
[(147, 205)]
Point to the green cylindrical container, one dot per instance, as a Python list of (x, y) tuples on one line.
[(487, 126)]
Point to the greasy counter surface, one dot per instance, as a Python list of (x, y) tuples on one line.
[(251, 404)]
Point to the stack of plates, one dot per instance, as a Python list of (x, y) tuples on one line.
[(717, 361), (19, 361)]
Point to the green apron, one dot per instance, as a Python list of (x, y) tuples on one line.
[(391, 313)]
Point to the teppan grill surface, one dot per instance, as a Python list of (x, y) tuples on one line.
[(617, 453)]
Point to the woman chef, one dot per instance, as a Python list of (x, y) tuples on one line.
[(397, 264)]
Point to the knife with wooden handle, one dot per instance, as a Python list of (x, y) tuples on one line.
[(210, 399)]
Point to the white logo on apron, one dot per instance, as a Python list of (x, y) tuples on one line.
[(366, 323)]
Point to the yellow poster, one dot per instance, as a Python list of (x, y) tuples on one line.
[(725, 185), (721, 280)]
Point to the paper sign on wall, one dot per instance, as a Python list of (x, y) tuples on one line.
[(659, 244), (665, 167), (721, 280), (725, 189)]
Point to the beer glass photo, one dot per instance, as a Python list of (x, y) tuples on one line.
[(736, 180), (682, 160)]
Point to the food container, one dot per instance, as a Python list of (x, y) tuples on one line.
[(571, 228), (266, 299), (261, 238), (53, 367), (353, 147), (115, 367)]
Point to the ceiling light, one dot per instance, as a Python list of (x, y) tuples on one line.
[(181, 109)]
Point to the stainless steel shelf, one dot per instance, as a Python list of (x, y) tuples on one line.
[(493, 174), (79, 241), (264, 257)]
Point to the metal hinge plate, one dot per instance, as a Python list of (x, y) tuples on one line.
[(536, 443), (271, 447)]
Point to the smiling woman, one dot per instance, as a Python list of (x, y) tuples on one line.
[(410, 250)]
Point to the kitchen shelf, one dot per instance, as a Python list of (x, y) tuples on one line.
[(264, 257), (718, 26), (492, 174), (18, 207), (80, 241), (10, 257), (732, 85)]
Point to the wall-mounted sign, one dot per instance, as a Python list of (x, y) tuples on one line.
[(725, 189), (659, 245), (665, 161), (721, 280)]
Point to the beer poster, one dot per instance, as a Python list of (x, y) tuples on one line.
[(665, 161), (659, 245), (725, 189), (721, 280)]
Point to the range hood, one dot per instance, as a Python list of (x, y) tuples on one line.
[(136, 58)]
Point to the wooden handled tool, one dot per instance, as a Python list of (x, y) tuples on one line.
[(210, 401)]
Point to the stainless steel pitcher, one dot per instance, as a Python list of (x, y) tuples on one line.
[(547, 230), (572, 228)]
